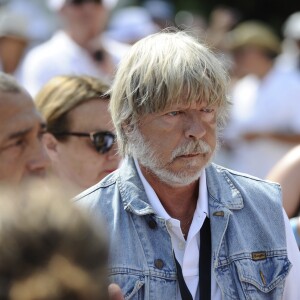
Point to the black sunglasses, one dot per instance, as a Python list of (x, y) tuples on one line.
[(80, 2), (102, 140)]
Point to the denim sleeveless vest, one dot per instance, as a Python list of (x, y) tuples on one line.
[(249, 260)]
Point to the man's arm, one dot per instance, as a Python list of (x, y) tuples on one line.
[(292, 287)]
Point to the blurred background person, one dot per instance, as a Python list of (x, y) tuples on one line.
[(222, 19), (290, 57), (162, 12), (264, 121), (76, 48), (130, 24), (80, 134), (22, 154), (287, 173), (23, 24), (50, 248), (13, 40)]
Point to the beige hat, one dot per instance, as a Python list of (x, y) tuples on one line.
[(254, 33)]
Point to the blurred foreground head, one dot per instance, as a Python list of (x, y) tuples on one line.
[(49, 248)]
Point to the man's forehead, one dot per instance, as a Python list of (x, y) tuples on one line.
[(196, 104), (17, 112)]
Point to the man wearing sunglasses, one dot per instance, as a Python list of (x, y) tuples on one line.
[(180, 226), (77, 48)]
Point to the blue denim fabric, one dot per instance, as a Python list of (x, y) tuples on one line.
[(249, 260)]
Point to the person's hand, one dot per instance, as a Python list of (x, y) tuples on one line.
[(115, 292)]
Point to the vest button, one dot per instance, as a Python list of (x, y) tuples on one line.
[(159, 264), (152, 224)]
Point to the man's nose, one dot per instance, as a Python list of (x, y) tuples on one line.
[(194, 127), (39, 160)]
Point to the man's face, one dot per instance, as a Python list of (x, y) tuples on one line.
[(21, 128), (77, 160), (247, 59), (86, 19), (176, 144)]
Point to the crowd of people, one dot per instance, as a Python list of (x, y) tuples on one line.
[(143, 162)]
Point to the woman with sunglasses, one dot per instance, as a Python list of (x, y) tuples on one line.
[(80, 136)]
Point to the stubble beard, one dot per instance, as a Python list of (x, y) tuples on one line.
[(149, 158)]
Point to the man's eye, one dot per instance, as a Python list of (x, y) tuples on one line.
[(207, 110), (173, 113), (15, 145), (18, 143)]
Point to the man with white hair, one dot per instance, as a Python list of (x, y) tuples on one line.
[(180, 226), (76, 49)]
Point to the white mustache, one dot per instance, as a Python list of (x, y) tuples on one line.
[(199, 147)]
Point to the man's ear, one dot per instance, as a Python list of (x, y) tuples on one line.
[(50, 144)]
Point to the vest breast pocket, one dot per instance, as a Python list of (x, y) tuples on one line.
[(263, 277)]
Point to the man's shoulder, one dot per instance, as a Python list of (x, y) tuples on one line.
[(240, 175), (242, 182), (251, 196), (93, 193)]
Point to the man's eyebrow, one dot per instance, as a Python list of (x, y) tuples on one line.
[(20, 133)]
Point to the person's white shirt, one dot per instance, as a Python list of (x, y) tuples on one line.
[(187, 251), (270, 105), (58, 56)]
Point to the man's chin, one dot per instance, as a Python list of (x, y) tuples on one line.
[(178, 178)]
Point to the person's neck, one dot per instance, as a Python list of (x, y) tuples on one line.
[(81, 41), (264, 68), (179, 201)]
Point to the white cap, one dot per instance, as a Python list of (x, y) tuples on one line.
[(14, 25), (58, 4), (291, 28)]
